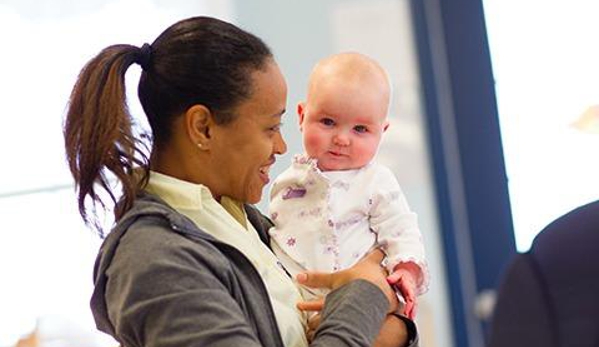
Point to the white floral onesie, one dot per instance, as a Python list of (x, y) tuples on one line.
[(327, 221)]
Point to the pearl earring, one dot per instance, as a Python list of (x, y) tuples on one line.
[(200, 145)]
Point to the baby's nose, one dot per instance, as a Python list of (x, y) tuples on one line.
[(341, 139)]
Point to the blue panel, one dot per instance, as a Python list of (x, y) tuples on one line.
[(467, 155), (479, 139)]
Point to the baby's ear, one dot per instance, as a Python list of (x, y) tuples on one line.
[(301, 109)]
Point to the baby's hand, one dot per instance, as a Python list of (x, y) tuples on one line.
[(404, 279)]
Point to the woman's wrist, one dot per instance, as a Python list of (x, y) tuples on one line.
[(412, 331)]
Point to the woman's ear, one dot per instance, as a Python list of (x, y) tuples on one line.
[(301, 109), (199, 122)]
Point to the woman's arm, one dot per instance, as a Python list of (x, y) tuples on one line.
[(396, 332), (163, 291)]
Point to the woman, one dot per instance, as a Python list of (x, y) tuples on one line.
[(187, 262)]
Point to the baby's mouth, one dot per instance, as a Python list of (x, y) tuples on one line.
[(336, 154)]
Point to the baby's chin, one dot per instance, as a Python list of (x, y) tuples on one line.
[(333, 166)]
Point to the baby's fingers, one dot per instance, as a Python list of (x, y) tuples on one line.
[(393, 278), (407, 289), (409, 309)]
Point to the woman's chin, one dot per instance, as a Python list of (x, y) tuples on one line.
[(254, 196), (254, 200)]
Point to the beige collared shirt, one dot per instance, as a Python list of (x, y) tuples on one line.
[(228, 223)]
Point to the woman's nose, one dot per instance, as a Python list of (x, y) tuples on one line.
[(280, 147)]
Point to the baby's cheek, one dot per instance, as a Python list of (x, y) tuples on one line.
[(313, 144), (365, 154)]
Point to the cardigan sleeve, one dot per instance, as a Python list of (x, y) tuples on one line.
[(162, 293)]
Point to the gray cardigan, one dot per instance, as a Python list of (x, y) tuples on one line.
[(161, 282)]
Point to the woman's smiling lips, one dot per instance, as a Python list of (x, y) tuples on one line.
[(264, 172)]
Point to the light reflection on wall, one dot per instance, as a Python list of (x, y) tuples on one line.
[(545, 62)]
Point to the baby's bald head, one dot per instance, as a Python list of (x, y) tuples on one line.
[(345, 113), (353, 70)]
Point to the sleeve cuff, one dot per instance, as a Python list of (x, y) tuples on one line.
[(413, 340)]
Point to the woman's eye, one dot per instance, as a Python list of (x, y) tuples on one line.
[(276, 128), (327, 121), (360, 129)]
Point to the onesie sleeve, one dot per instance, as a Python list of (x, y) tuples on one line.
[(396, 226)]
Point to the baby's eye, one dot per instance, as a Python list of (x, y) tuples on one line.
[(360, 129), (327, 121)]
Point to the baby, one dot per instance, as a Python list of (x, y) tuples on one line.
[(334, 204)]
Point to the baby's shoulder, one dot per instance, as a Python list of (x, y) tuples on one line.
[(378, 172)]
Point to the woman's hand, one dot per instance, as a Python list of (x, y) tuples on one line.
[(313, 308), (313, 323), (394, 330), (369, 269)]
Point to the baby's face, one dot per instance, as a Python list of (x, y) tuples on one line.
[(342, 125)]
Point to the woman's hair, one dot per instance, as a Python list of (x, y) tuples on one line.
[(199, 60)]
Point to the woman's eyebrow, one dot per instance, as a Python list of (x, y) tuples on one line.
[(280, 113)]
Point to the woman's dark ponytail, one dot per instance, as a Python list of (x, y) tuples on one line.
[(99, 140)]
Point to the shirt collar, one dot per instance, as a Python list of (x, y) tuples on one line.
[(179, 194), (183, 195)]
